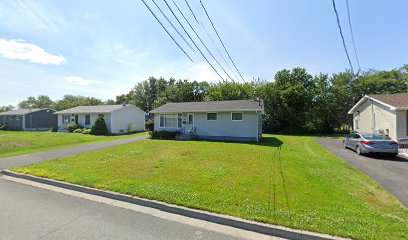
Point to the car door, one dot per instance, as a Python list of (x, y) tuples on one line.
[(355, 139)]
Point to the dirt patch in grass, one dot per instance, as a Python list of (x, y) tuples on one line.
[(15, 144)]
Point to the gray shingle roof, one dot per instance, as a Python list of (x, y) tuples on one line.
[(215, 106), (23, 111), (91, 109)]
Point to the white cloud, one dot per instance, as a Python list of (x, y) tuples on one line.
[(21, 50), (80, 81)]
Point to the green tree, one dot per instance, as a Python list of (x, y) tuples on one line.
[(6, 108), (70, 101), (41, 101)]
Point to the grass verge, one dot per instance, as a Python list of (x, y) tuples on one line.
[(19, 142)]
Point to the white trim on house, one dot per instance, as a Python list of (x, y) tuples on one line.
[(177, 117), (366, 97), (216, 116), (242, 117)]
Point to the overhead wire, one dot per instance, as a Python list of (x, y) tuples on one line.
[(205, 46), (175, 29), (352, 34), (341, 35), (165, 29), (222, 43)]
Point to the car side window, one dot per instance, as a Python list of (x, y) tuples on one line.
[(356, 136)]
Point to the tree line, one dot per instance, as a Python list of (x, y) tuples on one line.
[(295, 101)]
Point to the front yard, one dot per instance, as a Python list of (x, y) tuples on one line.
[(20, 142), (301, 186)]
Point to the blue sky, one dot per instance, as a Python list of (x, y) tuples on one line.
[(103, 48)]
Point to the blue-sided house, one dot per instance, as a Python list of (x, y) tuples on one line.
[(239, 120)]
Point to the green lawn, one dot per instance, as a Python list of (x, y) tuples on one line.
[(307, 187), (20, 142)]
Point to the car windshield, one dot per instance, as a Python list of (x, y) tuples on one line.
[(376, 137)]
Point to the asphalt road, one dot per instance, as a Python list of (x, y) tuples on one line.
[(32, 213), (390, 173), (24, 160)]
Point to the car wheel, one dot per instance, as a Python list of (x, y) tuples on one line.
[(358, 150)]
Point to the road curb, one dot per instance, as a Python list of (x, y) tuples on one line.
[(267, 229)]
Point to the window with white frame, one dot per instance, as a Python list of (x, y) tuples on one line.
[(87, 119), (65, 118), (211, 116), (169, 120), (236, 116)]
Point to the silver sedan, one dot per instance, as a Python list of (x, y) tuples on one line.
[(364, 143)]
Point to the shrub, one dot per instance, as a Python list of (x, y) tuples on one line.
[(86, 131), (150, 125), (164, 135), (99, 128), (72, 127), (3, 126), (79, 130), (54, 129)]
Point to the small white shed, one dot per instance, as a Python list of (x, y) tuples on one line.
[(118, 118)]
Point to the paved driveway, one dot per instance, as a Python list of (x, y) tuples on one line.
[(23, 160), (390, 173)]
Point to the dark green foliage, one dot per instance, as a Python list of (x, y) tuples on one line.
[(6, 108), (41, 101), (150, 125), (72, 127), (3, 126), (164, 135), (99, 128)]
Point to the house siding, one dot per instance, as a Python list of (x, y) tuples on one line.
[(402, 122), (81, 121), (122, 119), (223, 129), (12, 123), (41, 120), (385, 119)]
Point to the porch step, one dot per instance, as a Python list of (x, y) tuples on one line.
[(184, 137)]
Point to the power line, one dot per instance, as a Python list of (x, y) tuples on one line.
[(352, 34), (161, 24), (175, 29), (188, 5), (171, 10), (198, 22), (205, 46), (212, 24), (341, 34)]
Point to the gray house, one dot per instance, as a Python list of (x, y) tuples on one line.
[(36, 119), (239, 120)]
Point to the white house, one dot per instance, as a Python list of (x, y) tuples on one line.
[(385, 114), (219, 120), (119, 118)]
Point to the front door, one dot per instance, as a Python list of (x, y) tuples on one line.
[(189, 122), (76, 119)]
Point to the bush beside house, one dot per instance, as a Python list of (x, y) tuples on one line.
[(99, 128)]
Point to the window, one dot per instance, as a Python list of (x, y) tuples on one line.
[(236, 116), (87, 119), (65, 118), (211, 116), (179, 120), (170, 120), (190, 119)]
